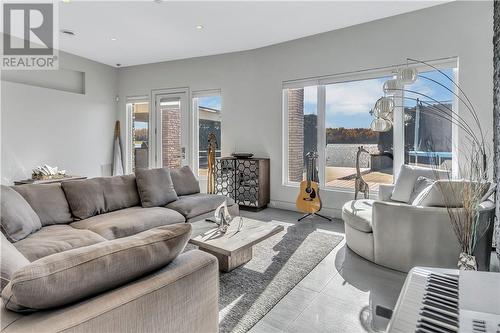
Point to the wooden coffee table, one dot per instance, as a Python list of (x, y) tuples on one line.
[(234, 248)]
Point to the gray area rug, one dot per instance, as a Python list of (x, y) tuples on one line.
[(279, 263)]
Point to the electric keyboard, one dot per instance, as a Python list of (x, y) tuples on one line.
[(447, 301)]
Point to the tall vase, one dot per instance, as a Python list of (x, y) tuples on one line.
[(467, 262)]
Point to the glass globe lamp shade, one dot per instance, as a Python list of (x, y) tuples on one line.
[(407, 75), (384, 108), (380, 125), (391, 87)]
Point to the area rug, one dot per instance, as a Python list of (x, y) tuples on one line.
[(279, 263)]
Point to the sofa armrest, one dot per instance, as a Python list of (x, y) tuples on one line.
[(181, 297), (407, 236), (385, 192)]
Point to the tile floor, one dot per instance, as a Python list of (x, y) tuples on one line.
[(338, 295)]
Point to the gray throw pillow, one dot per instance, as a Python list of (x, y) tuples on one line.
[(407, 177), (73, 275), (120, 192), (85, 197), (18, 219), (421, 184), (11, 261), (184, 181), (155, 187), (48, 201)]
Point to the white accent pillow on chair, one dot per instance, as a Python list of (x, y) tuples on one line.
[(407, 177)]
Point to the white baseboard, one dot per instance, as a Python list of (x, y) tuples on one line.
[(330, 212)]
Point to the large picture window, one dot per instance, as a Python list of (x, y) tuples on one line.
[(347, 126), (333, 116), (428, 135)]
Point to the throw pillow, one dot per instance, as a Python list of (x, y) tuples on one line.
[(185, 181), (48, 201), (422, 184), (85, 197), (407, 177), (120, 192), (155, 187), (18, 219), (11, 261), (70, 276), (446, 193)]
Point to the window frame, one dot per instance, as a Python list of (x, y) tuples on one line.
[(398, 126), (195, 125)]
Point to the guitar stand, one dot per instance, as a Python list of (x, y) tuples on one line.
[(309, 214)]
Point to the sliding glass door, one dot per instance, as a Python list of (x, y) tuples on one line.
[(172, 128)]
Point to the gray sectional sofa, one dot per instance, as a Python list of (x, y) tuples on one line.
[(180, 297)]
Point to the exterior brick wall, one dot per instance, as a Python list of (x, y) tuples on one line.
[(171, 137), (295, 134)]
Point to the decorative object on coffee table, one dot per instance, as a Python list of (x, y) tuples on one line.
[(246, 180), (234, 247), (222, 217)]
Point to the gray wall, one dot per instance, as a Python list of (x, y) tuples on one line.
[(251, 81), (66, 129)]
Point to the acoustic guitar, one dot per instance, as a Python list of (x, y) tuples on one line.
[(308, 200)]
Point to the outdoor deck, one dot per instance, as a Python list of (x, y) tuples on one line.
[(344, 177)]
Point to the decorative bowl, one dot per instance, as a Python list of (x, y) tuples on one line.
[(242, 155)]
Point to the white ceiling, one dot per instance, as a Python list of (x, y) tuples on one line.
[(147, 31)]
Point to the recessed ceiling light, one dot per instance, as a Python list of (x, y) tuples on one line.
[(199, 27), (158, 1), (66, 1), (68, 32), (114, 39)]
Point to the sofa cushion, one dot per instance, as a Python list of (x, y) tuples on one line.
[(85, 197), (184, 181), (196, 204), (358, 214), (129, 221), (120, 192), (54, 239), (11, 261), (76, 274), (17, 218), (407, 177), (48, 201), (155, 187)]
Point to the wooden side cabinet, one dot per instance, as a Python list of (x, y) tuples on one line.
[(246, 180)]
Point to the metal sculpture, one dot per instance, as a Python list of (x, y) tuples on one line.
[(360, 185), (212, 147)]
